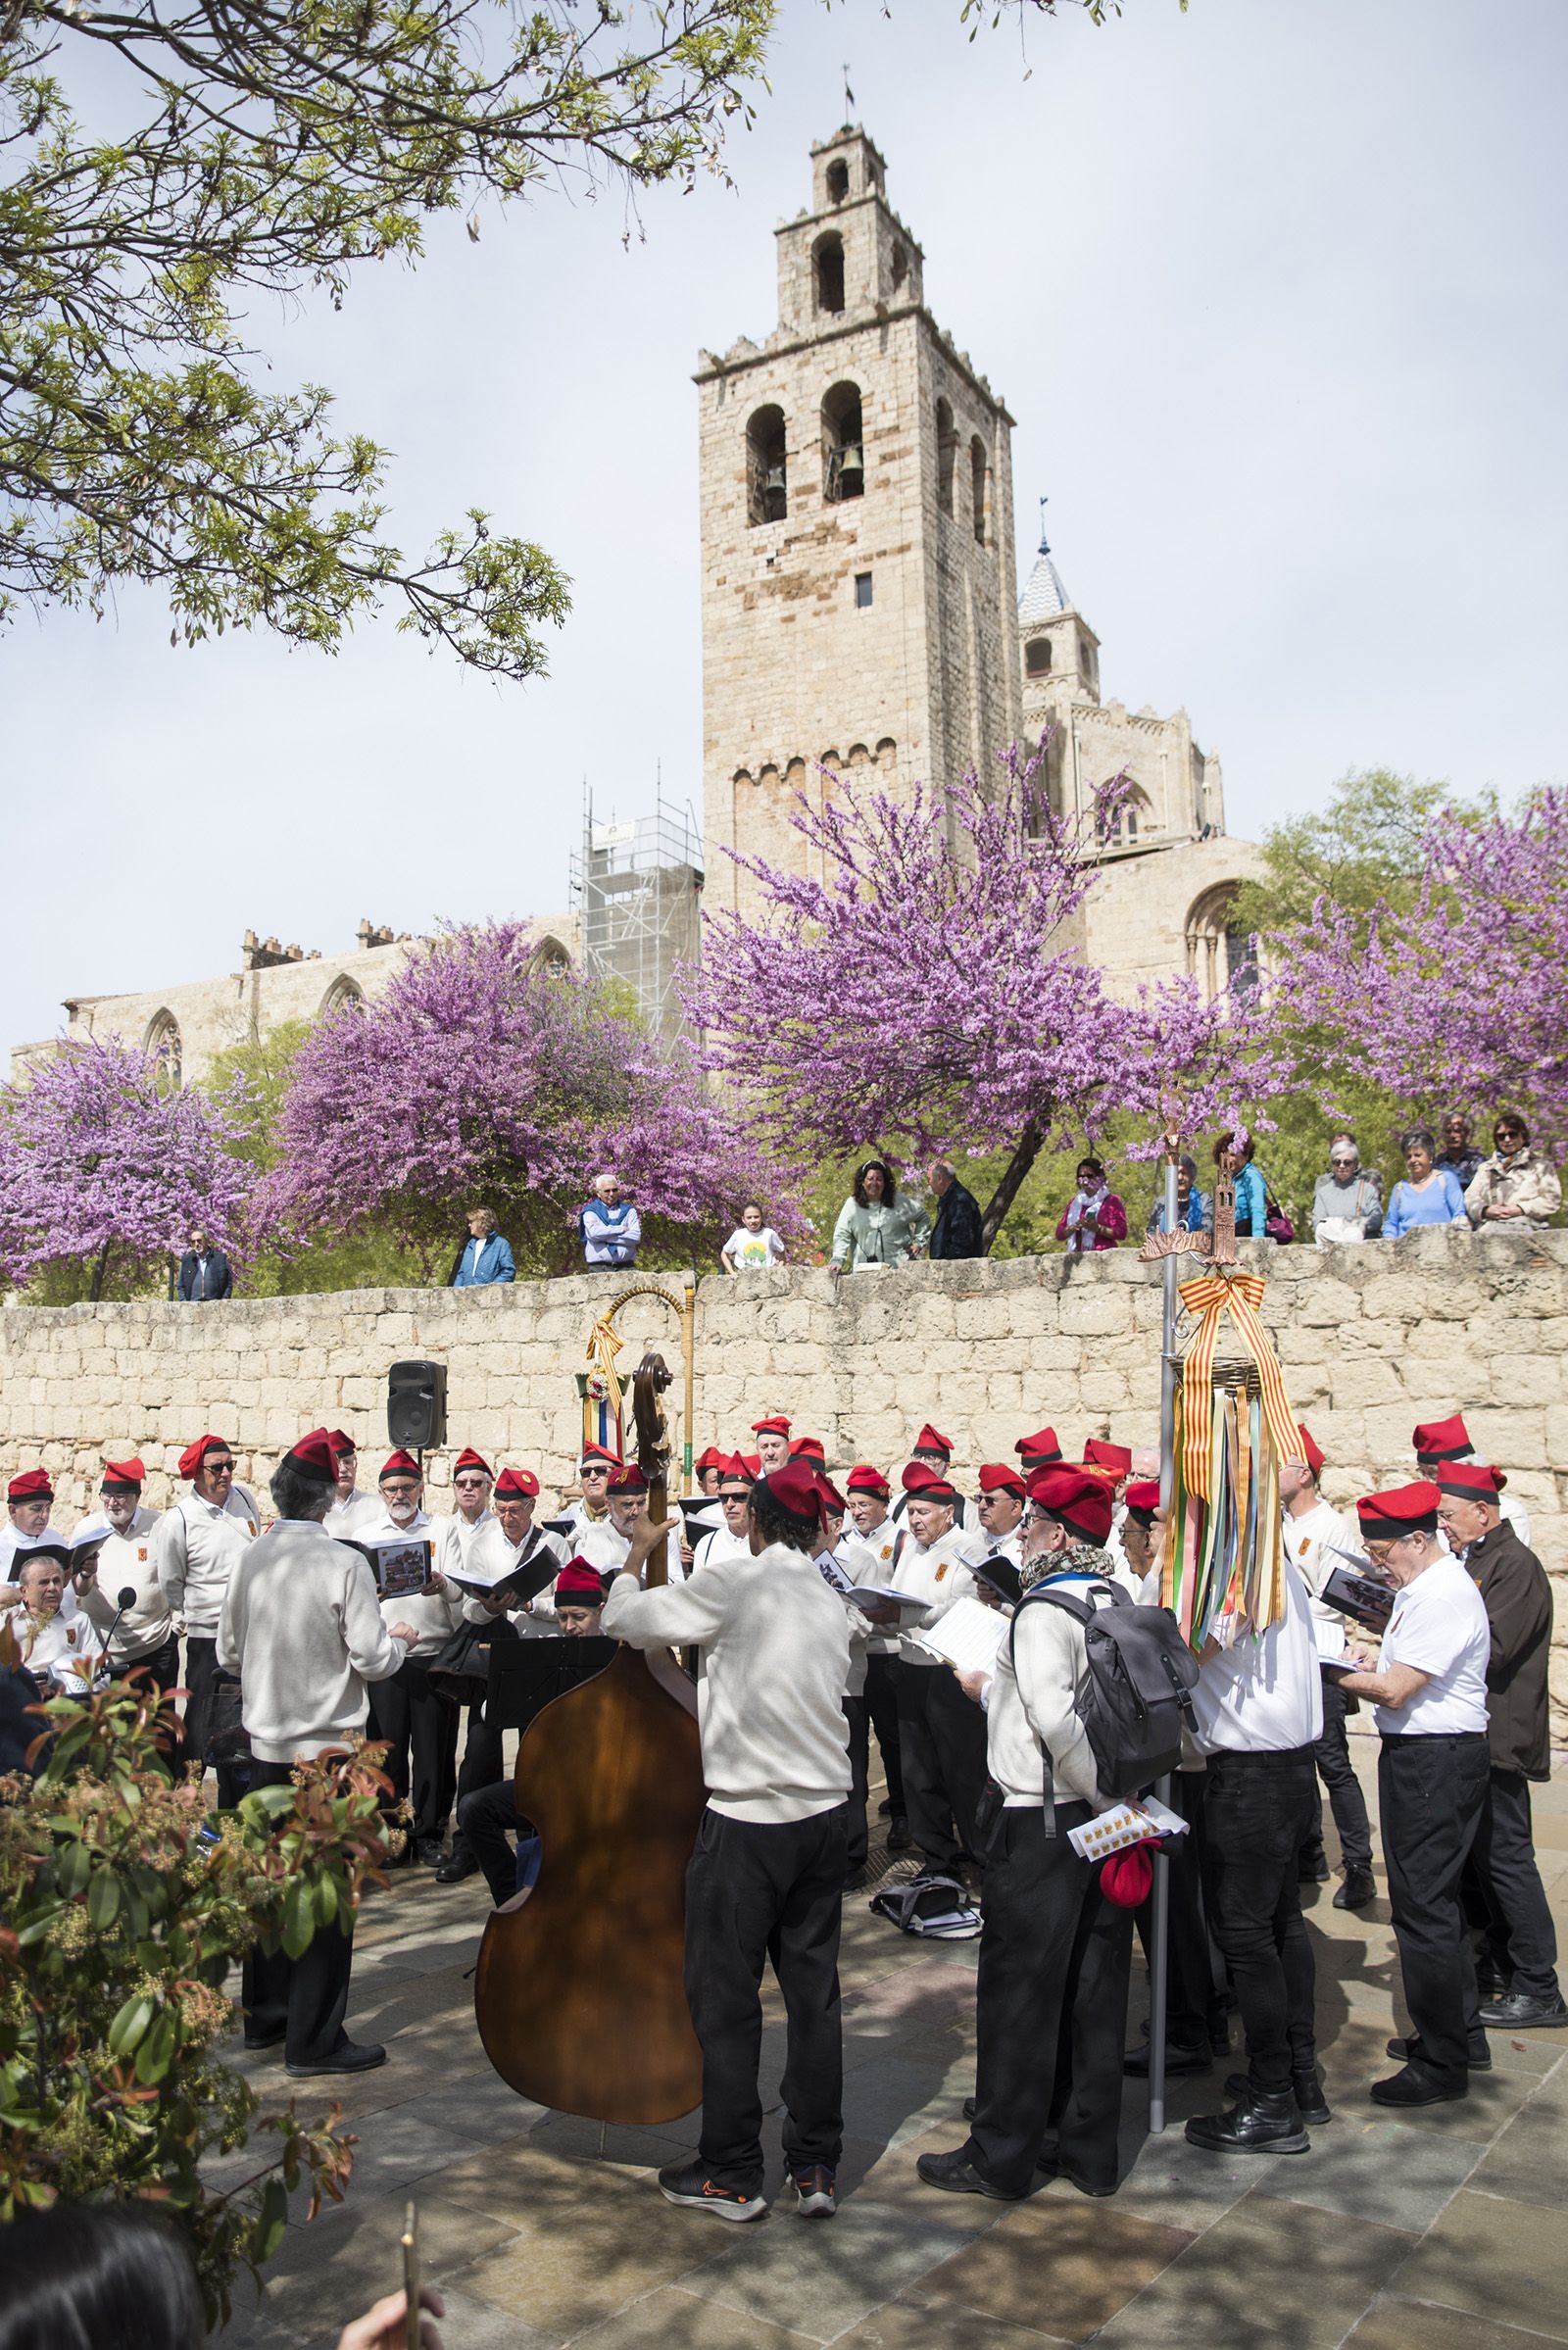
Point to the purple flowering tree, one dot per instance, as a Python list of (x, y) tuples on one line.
[(484, 1074), (104, 1163), (1461, 996), (920, 985)]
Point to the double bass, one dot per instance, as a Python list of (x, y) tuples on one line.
[(579, 1992)]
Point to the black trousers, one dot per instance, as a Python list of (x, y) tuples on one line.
[(757, 1893), (1051, 2006), (882, 1704), (481, 1766), (200, 1678), (860, 1835), (941, 1739), (1257, 1810), (486, 1817), (306, 1998), (1432, 1794), (1519, 1925), (1337, 1774), (418, 1720), (1194, 1976)]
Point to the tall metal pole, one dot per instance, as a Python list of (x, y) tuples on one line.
[(1159, 1939)]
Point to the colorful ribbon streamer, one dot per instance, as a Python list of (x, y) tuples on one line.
[(604, 1342), (1224, 1558), (1208, 1299)]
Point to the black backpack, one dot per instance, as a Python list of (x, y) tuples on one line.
[(1133, 1695)]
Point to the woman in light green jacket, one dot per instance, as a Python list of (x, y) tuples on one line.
[(873, 1227)]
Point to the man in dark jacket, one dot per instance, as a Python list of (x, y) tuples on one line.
[(1517, 1595), (957, 1229), (203, 1270)]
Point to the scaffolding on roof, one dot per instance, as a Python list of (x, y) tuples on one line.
[(638, 886)]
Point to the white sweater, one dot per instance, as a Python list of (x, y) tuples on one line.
[(1029, 1705), (198, 1547), (128, 1565), (302, 1629), (774, 1645), (939, 1575), (434, 1615)]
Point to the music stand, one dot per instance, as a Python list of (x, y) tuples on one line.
[(527, 1675)]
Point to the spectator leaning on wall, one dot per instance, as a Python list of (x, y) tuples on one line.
[(485, 1257), (609, 1225), (1514, 1188), (203, 1271)]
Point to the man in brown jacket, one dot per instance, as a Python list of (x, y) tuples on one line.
[(1517, 1595)]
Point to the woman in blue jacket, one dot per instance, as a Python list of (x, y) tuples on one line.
[(1252, 1192), (485, 1257)]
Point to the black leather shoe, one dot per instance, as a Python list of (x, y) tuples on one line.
[(1177, 2060), (1305, 2088), (1518, 2012), (1253, 2125), (1312, 1868), (1360, 1888), (958, 2174), (350, 2056), (884, 1811), (429, 1852), (1419, 2085), (460, 1862), (855, 1881), (1409, 2052), (900, 1838), (273, 2040), (969, 2105)]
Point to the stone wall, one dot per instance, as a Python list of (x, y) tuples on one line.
[(1371, 1338)]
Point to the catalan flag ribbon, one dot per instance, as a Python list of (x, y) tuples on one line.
[(602, 1389), (1224, 1565), (1208, 1299)]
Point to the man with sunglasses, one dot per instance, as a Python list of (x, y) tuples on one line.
[(1429, 1698), (593, 1472), (199, 1544)]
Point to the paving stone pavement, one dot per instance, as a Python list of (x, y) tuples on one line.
[(1435, 2231)]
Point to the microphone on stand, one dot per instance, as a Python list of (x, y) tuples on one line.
[(125, 1598)]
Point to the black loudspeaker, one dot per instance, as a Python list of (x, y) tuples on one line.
[(416, 1406)]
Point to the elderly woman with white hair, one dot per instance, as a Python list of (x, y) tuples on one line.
[(609, 1225)]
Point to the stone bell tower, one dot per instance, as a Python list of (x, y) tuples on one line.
[(858, 597)]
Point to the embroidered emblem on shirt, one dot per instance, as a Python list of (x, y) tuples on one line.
[(942, 1569), (141, 1556)]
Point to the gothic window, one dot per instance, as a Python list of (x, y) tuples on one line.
[(843, 452), (1132, 817), (977, 484), (838, 181), (1037, 656), (827, 271), (1219, 951), (551, 956), (947, 450), (766, 483), (887, 756), (163, 1043), (900, 267), (342, 992)]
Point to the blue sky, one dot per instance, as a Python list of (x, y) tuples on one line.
[(1272, 289)]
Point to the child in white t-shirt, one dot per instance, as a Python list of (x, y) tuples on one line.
[(752, 1247)]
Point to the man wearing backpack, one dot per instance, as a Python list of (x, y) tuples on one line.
[(1055, 1952), (1260, 1707)]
